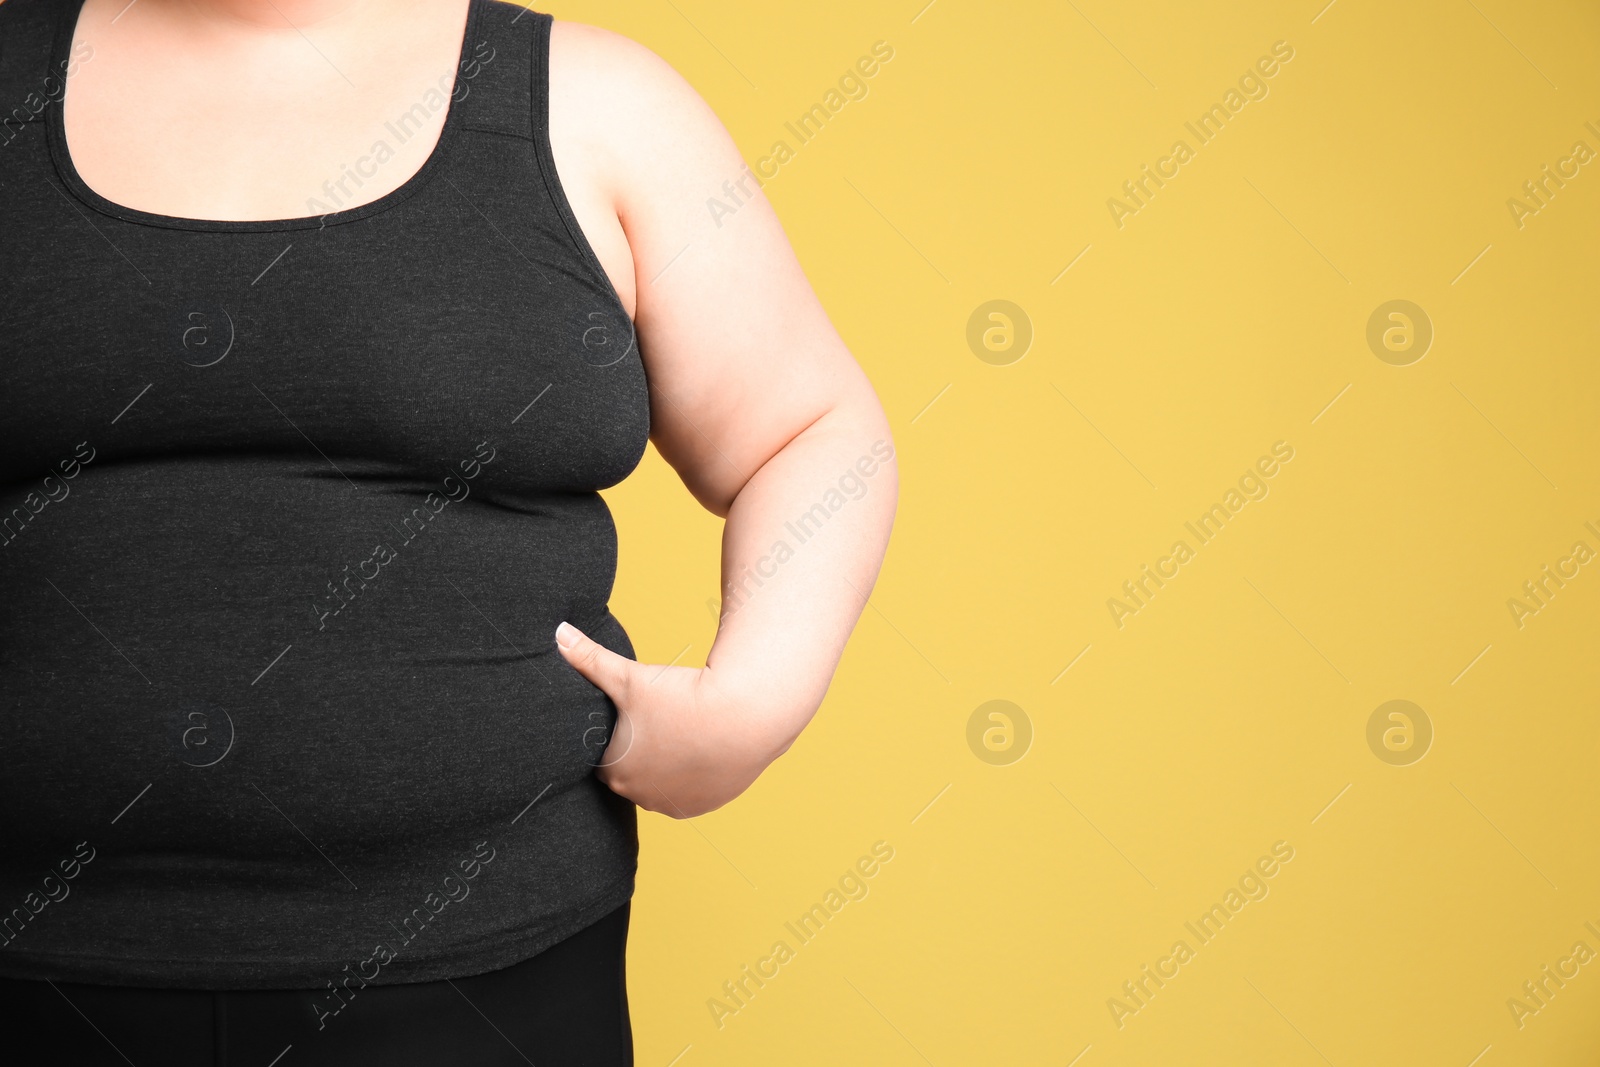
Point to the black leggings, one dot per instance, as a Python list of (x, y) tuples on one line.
[(566, 1006)]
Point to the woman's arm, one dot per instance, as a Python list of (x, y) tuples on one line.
[(755, 402)]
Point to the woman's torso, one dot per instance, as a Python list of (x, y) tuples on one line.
[(289, 512)]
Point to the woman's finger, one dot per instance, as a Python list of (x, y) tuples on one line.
[(612, 673)]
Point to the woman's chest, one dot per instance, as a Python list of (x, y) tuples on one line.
[(401, 338)]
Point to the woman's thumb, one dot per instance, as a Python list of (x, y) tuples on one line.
[(595, 662)]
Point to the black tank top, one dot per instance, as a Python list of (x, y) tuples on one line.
[(289, 512)]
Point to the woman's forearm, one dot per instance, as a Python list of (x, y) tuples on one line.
[(803, 542)]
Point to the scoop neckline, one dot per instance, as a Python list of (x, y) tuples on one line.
[(61, 153)]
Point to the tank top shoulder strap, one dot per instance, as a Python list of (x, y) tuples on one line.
[(494, 86), (28, 84)]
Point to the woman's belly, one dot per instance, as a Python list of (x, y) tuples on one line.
[(264, 674)]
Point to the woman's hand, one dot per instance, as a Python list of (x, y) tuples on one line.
[(683, 745)]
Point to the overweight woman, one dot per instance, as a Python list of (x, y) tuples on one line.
[(322, 324)]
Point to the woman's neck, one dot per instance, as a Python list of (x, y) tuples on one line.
[(269, 14)]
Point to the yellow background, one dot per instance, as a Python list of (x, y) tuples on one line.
[(1231, 712)]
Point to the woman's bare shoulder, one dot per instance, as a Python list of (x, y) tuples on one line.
[(598, 56), (630, 133), (628, 97)]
